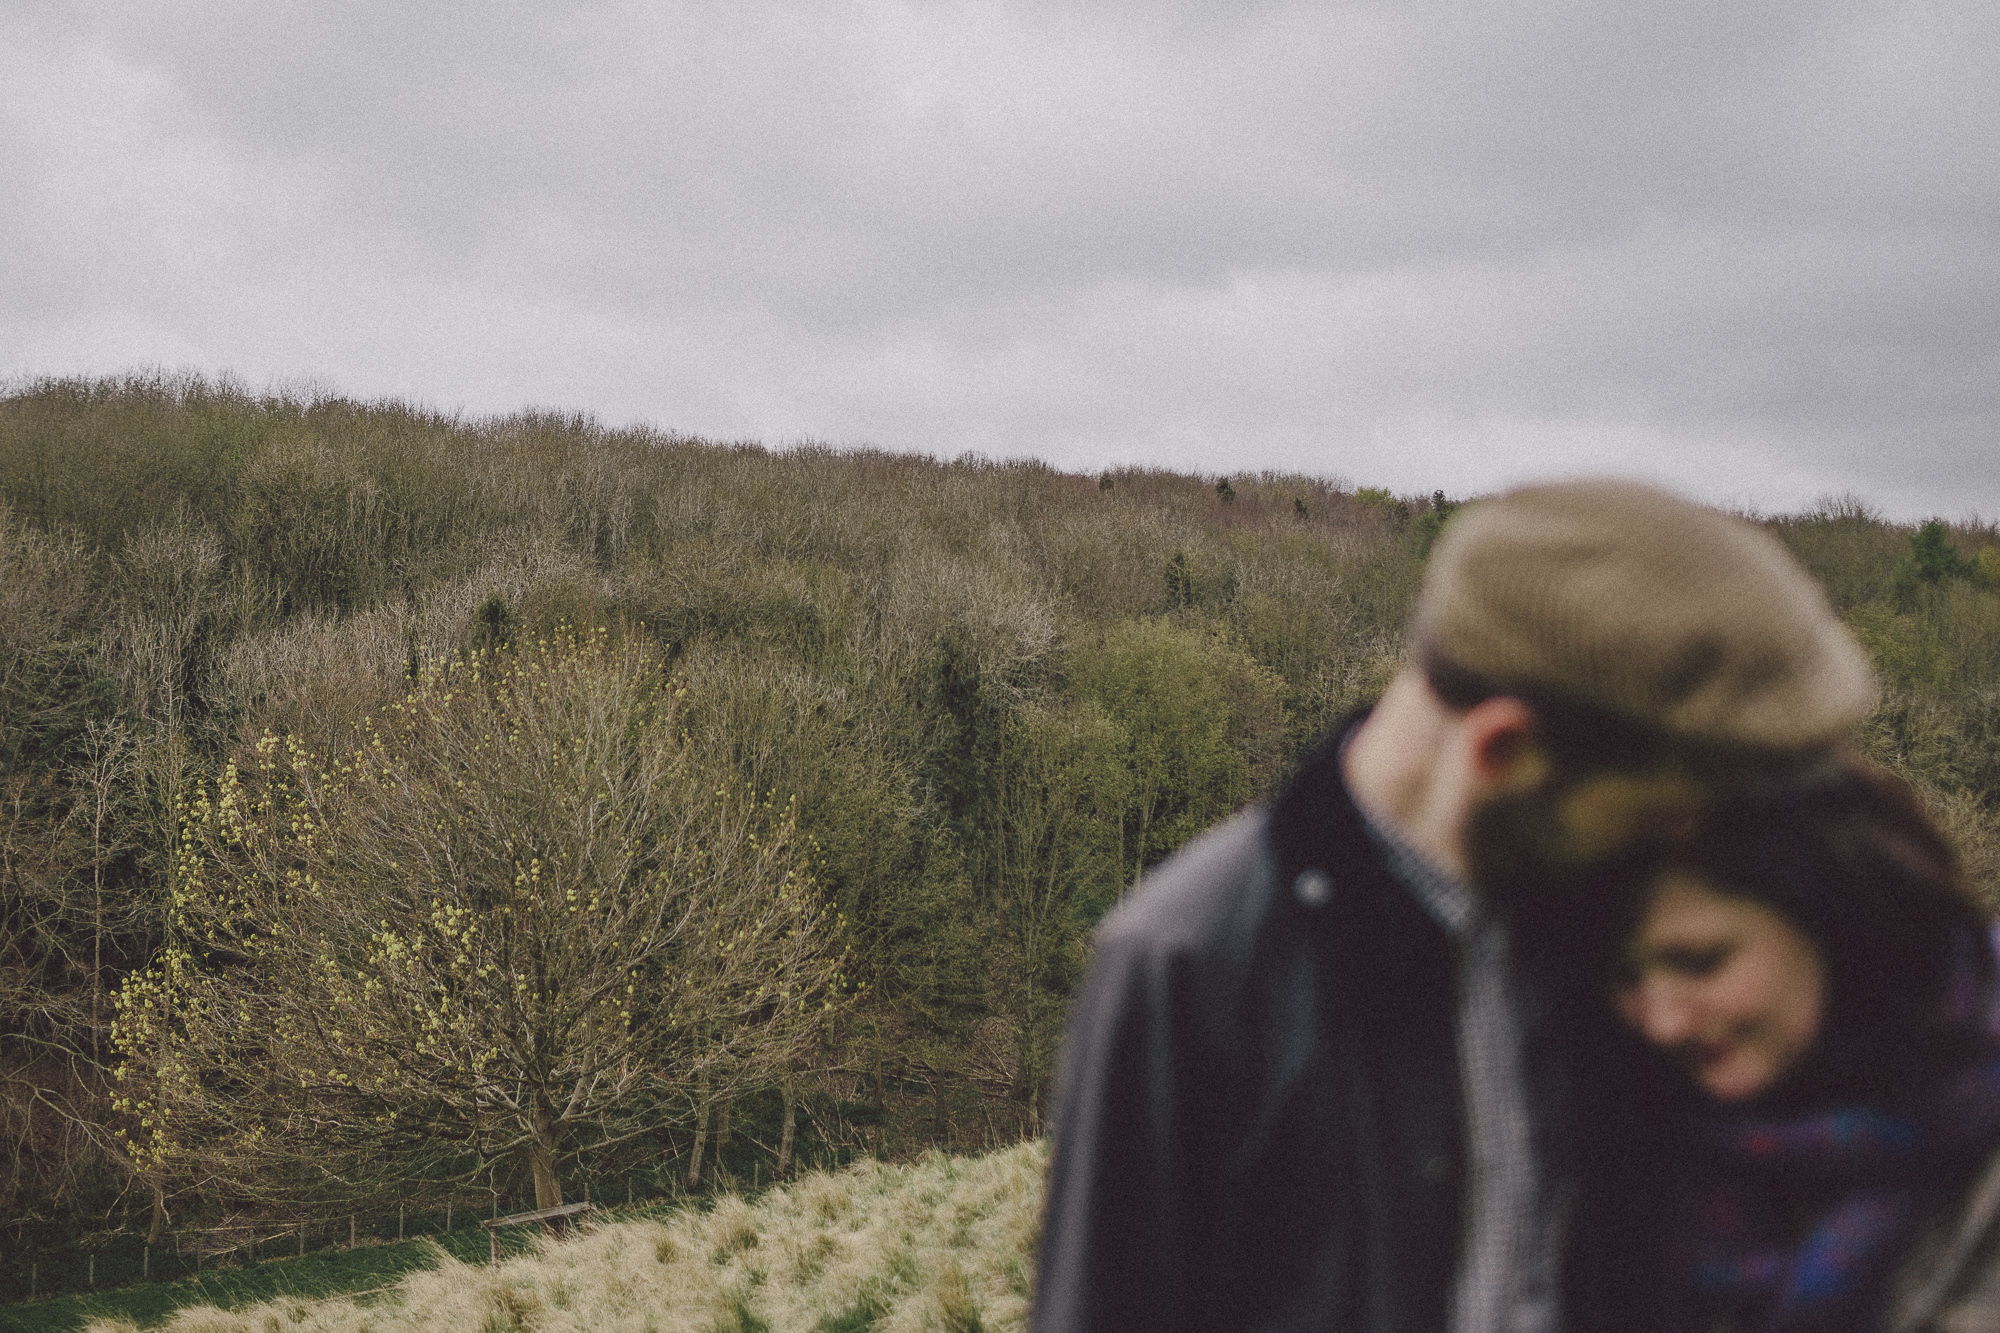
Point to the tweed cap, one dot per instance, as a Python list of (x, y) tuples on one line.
[(1635, 600)]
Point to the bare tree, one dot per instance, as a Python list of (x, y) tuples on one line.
[(48, 1084), (101, 774), (1060, 790), (152, 642), (522, 921)]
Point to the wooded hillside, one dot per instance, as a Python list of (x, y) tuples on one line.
[(958, 705)]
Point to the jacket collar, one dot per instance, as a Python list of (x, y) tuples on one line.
[(1314, 819), (1384, 944)]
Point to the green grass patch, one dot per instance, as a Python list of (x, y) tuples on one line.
[(329, 1273), (860, 1316)]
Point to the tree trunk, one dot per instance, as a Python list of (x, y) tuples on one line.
[(1145, 829), (700, 1139), (791, 1122), (158, 1230), (97, 965), (942, 1118), (542, 1162)]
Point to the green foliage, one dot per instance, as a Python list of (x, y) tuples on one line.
[(1904, 653), (494, 624), (1385, 503), (1198, 730), (1934, 555), (1059, 789), (1424, 529), (1932, 561), (1180, 582), (868, 1309)]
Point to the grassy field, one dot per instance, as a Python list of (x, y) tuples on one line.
[(945, 1244)]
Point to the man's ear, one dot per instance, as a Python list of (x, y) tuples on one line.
[(1502, 751)]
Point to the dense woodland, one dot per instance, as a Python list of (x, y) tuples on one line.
[(374, 782)]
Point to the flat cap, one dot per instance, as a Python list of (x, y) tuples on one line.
[(1638, 601)]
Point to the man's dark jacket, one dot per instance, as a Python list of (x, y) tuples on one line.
[(1260, 1123)]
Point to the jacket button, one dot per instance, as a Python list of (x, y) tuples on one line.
[(1314, 888)]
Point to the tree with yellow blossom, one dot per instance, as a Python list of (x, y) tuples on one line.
[(520, 919)]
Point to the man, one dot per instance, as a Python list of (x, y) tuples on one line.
[(1306, 1085)]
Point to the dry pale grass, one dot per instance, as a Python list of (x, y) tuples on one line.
[(1975, 830), (945, 1245)]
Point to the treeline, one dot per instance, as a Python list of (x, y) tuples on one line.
[(965, 702)]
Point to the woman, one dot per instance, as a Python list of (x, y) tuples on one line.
[(1794, 1113)]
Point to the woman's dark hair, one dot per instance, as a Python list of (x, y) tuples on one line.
[(1859, 869)]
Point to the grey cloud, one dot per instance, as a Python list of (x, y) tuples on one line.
[(1447, 243)]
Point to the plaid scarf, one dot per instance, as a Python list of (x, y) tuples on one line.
[(1792, 1223)]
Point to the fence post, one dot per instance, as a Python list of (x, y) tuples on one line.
[(350, 1231), (302, 1240), (146, 1264), (92, 1279), (399, 1222), (493, 1243), (447, 1217)]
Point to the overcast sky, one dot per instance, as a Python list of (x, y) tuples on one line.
[(1749, 249)]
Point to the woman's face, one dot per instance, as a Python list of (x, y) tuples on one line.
[(1724, 985)]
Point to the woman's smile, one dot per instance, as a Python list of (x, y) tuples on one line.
[(1724, 984)]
